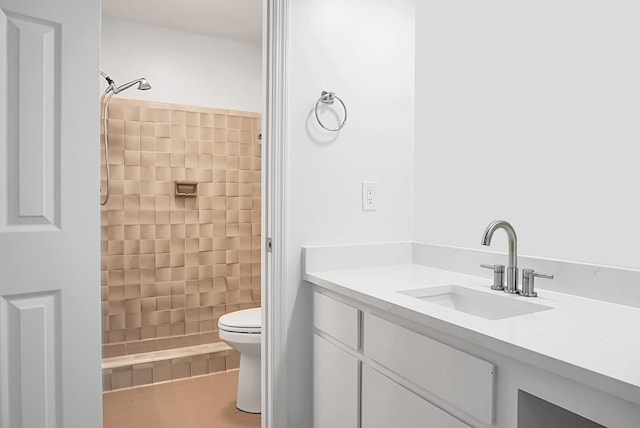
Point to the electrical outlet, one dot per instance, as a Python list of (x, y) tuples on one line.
[(369, 196)]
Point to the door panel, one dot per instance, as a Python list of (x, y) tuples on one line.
[(32, 52), (50, 335), (33, 344)]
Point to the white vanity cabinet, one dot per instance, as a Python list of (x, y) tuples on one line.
[(351, 349), (385, 358)]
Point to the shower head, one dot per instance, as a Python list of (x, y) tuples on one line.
[(142, 83)]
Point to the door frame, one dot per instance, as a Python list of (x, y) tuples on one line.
[(274, 208)]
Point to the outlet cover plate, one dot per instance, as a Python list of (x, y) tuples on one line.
[(369, 196)]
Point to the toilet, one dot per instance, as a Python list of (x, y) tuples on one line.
[(242, 331)]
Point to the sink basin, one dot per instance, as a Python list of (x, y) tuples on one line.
[(474, 302)]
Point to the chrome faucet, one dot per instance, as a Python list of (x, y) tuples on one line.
[(512, 268)]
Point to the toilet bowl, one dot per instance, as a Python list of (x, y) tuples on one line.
[(242, 331)]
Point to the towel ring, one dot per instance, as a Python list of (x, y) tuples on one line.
[(327, 97)]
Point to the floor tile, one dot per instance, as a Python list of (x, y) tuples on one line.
[(201, 402)]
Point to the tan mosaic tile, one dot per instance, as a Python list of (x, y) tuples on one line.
[(172, 266)]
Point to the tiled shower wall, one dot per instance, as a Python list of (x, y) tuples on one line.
[(171, 266)]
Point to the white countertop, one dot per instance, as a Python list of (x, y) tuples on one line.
[(593, 342)]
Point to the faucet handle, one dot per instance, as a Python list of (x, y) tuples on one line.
[(498, 276), (528, 277)]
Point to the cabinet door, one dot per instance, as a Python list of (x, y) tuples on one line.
[(460, 379), (386, 404), (335, 386)]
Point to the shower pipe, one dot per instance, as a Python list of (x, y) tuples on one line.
[(112, 90)]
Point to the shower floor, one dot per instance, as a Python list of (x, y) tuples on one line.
[(201, 402)]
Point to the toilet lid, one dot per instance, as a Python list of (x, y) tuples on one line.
[(244, 321)]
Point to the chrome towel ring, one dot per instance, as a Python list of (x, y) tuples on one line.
[(328, 97)]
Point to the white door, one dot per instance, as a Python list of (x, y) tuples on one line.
[(49, 214)]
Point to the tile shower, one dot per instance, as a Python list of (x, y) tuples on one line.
[(172, 265)]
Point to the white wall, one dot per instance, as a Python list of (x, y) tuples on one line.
[(363, 50), (530, 112), (182, 68)]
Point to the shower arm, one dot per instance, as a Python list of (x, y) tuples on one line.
[(142, 83)]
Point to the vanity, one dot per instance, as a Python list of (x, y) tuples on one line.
[(404, 338)]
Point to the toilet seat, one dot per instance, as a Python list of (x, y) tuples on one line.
[(247, 321)]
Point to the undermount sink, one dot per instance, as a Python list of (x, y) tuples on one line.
[(474, 302)]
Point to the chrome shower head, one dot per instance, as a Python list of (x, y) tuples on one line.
[(143, 85)]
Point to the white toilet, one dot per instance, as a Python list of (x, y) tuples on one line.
[(242, 331)]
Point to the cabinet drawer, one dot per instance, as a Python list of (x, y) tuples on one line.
[(386, 404), (461, 379), (336, 319)]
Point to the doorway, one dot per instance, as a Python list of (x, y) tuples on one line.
[(173, 265)]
